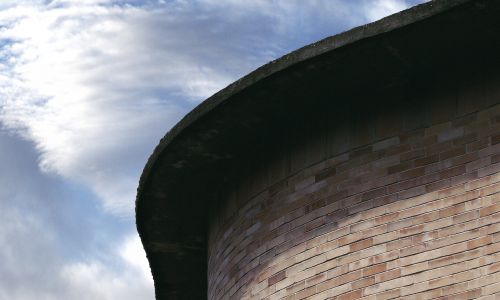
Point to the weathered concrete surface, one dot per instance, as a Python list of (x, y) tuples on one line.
[(428, 45)]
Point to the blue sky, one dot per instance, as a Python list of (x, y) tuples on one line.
[(87, 89)]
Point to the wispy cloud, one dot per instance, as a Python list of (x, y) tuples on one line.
[(32, 268), (132, 280)]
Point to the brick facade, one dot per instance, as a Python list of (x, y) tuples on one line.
[(403, 204)]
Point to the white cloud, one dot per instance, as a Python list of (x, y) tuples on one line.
[(382, 8), (96, 280), (33, 269), (133, 253)]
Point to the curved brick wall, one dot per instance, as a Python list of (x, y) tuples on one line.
[(411, 209)]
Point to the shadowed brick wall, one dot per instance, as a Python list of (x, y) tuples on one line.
[(400, 202)]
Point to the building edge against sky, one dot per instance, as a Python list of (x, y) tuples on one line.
[(366, 165)]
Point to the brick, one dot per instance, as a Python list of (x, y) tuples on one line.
[(388, 275), (489, 210), (363, 206), (305, 292), (490, 190), (452, 172), (399, 224), (351, 295), (314, 224), (477, 145), (495, 139), (465, 217), (388, 294), (428, 160), (437, 185), (463, 159), (316, 279), (361, 245), (374, 193), (387, 285), (337, 252), (363, 282), (374, 269), (452, 153), (479, 242), (413, 192)]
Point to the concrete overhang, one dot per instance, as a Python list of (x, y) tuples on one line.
[(424, 46)]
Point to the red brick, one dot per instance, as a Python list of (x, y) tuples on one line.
[(351, 295), (276, 278), (361, 244)]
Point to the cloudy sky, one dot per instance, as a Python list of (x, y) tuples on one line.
[(87, 89)]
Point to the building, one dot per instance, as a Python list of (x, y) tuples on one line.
[(366, 165)]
